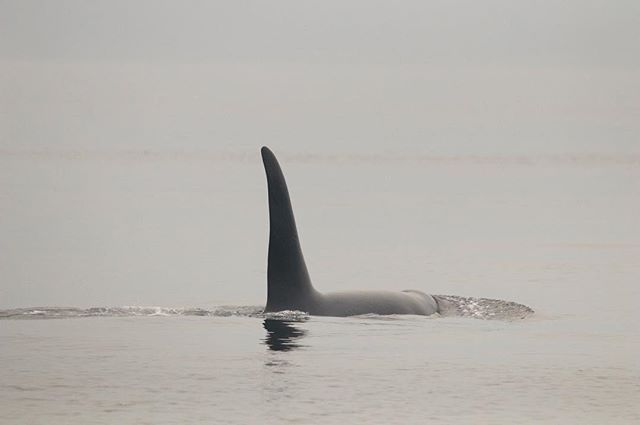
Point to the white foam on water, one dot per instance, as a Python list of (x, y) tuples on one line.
[(451, 305)]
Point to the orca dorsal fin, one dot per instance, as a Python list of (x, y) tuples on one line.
[(288, 282)]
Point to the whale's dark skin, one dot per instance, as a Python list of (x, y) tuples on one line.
[(288, 284)]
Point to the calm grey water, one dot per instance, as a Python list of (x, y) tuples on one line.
[(558, 234)]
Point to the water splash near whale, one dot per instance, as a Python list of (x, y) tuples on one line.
[(451, 305)]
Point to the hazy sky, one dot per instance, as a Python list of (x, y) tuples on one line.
[(87, 87), (427, 76), (438, 33)]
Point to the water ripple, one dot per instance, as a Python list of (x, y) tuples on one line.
[(450, 305)]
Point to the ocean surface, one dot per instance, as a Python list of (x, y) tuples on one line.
[(133, 284)]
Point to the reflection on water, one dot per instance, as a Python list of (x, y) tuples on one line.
[(282, 335)]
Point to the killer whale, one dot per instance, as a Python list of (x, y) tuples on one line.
[(288, 283)]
